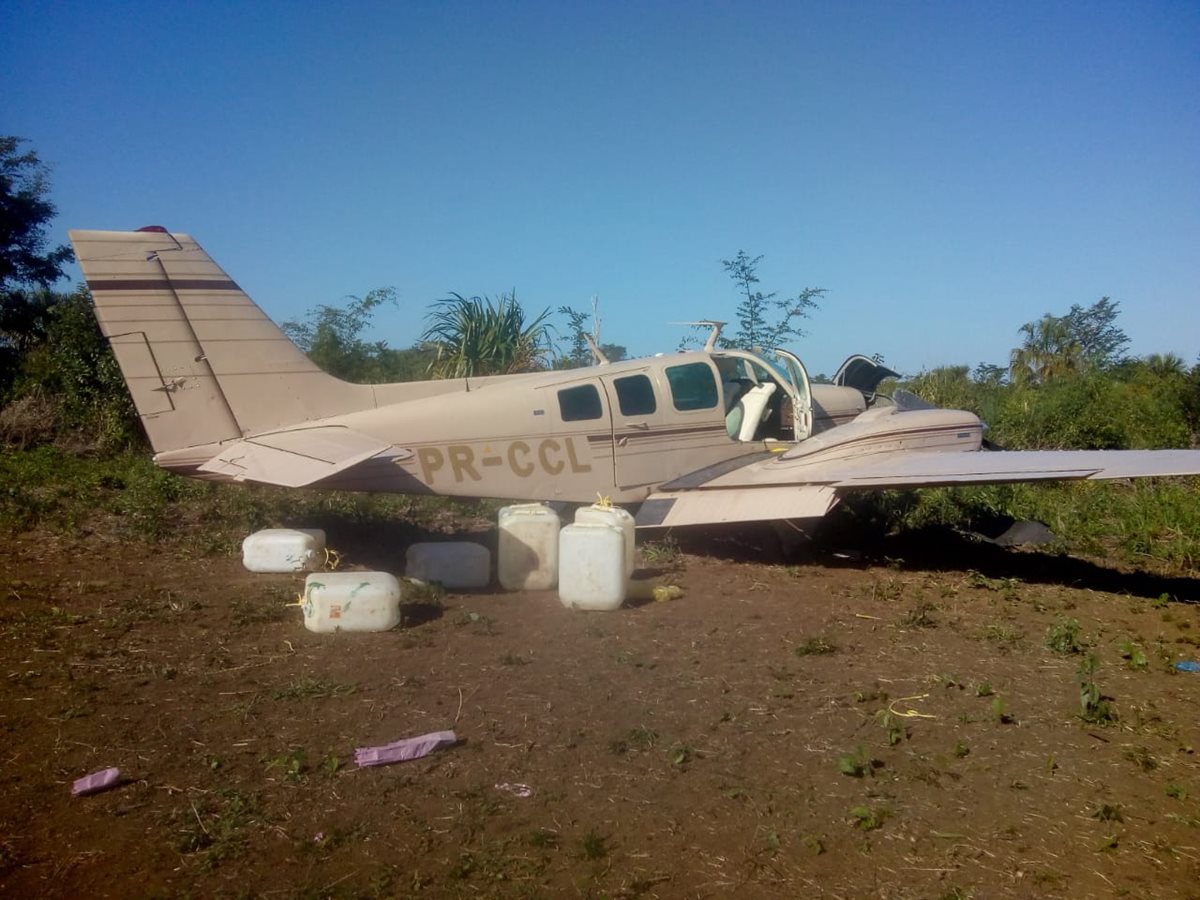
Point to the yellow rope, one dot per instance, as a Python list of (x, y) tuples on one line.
[(912, 713), (602, 501)]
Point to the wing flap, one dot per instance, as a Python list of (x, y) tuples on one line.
[(295, 458), (751, 504), (916, 469)]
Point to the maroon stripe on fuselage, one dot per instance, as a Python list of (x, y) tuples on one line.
[(162, 284), (657, 433)]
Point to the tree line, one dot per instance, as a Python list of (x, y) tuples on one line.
[(1068, 383)]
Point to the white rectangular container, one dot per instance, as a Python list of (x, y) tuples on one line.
[(284, 550), (456, 565), (527, 547), (351, 601), (591, 566), (612, 515)]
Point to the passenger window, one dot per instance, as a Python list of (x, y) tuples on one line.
[(635, 395), (692, 386), (579, 403)]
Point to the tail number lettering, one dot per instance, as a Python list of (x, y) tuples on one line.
[(552, 455)]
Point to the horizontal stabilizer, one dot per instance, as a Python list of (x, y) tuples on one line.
[(295, 458)]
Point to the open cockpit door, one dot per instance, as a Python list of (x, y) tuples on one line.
[(797, 375), (863, 374)]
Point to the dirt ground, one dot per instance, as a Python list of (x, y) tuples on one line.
[(891, 725)]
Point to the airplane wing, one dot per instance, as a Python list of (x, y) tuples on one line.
[(781, 488), (295, 458), (911, 469)]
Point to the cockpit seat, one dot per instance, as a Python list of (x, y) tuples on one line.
[(749, 411)]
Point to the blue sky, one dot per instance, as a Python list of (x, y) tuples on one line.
[(946, 171)]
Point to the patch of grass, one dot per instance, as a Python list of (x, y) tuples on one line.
[(1175, 792), (961, 750), (214, 828), (1004, 586), (332, 763), (886, 589), (858, 763), (513, 659), (1063, 637), (815, 646), (984, 689), (1003, 635), (640, 738), (868, 818), (682, 754), (594, 845), (290, 766), (1134, 656), (920, 616), (1000, 714), (543, 839), (1108, 812), (662, 554), (1142, 758), (309, 688)]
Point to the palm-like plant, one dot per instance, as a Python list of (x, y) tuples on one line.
[(1049, 351), (473, 336)]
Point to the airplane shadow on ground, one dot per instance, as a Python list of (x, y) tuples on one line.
[(382, 547), (937, 549)]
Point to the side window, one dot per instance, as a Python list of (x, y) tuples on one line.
[(692, 386), (635, 395), (579, 403)]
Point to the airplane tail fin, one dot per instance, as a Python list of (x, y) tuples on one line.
[(204, 364)]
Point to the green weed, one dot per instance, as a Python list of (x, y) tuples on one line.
[(1108, 813), (815, 646), (289, 766), (1094, 708), (594, 845), (1004, 636), (1000, 714), (920, 616), (1063, 636), (543, 839), (214, 828), (662, 554), (868, 818), (858, 763), (309, 688), (1134, 656), (1142, 758)]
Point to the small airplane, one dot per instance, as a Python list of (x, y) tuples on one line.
[(695, 437)]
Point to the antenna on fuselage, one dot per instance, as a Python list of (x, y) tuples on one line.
[(597, 353), (711, 344)]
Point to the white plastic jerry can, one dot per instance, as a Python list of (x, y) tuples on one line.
[(351, 601), (284, 550), (612, 515), (527, 547), (591, 566), (455, 564)]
